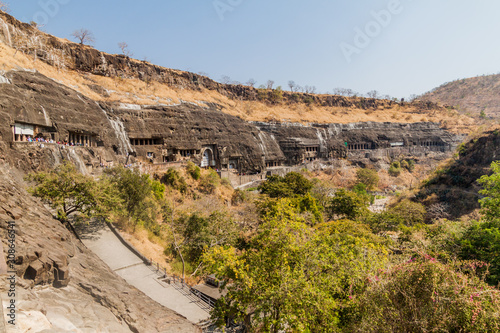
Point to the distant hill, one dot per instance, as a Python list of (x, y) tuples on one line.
[(473, 95)]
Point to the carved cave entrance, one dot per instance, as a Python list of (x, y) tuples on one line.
[(207, 159)]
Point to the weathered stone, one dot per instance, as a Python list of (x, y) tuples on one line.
[(15, 213), (78, 291), (34, 271)]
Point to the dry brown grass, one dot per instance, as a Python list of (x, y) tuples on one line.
[(151, 248)]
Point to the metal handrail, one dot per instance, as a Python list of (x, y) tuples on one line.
[(162, 271)]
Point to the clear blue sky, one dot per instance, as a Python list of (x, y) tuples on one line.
[(420, 45)]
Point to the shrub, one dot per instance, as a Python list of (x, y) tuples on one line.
[(238, 197), (411, 213), (293, 184), (405, 214), (209, 182), (411, 165), (225, 182), (276, 95), (193, 170), (347, 204), (173, 179), (481, 241), (395, 169), (404, 164), (360, 189), (384, 221), (426, 296), (369, 177)]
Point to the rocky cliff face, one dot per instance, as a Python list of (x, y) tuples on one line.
[(65, 54), (61, 285), (302, 143), (53, 111), (454, 188), (110, 132)]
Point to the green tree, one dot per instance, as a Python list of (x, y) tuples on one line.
[(481, 241), (369, 177), (347, 204), (490, 204), (70, 192), (139, 193), (293, 184), (201, 233), (292, 277)]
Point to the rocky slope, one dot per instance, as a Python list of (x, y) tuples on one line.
[(454, 187), (473, 95), (61, 285)]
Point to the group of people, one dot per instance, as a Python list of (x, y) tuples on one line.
[(64, 143)]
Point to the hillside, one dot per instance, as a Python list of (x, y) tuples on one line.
[(454, 186), (117, 78), (472, 95)]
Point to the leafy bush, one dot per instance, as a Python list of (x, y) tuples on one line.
[(369, 177), (238, 197), (405, 214), (360, 189), (309, 204), (482, 242), (395, 169), (293, 184), (411, 165), (174, 179), (384, 221), (210, 181), (347, 204), (490, 204), (193, 170), (225, 182), (424, 295), (411, 213), (276, 95)]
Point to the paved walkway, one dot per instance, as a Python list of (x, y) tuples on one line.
[(103, 242)]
